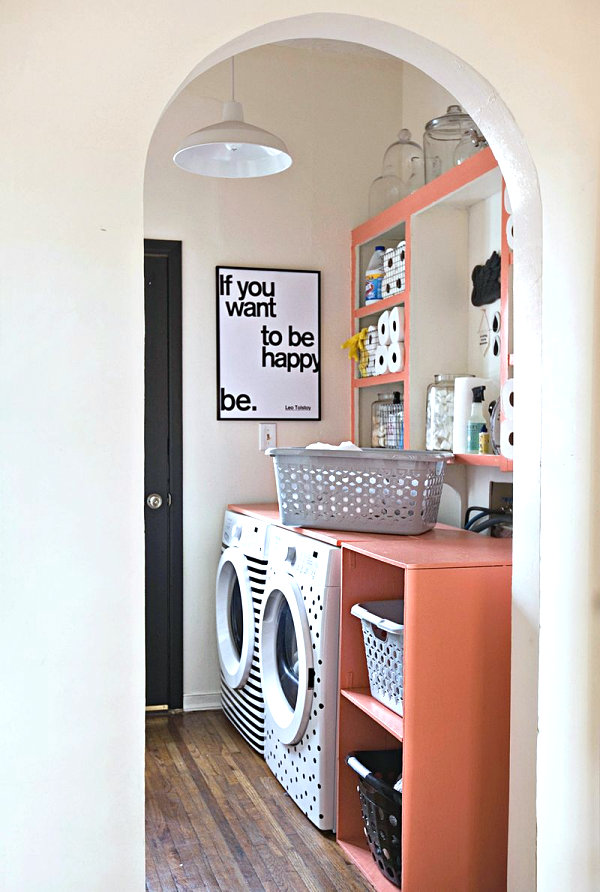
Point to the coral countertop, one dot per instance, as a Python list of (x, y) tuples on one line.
[(443, 546)]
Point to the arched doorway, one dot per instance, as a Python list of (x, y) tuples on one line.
[(485, 106)]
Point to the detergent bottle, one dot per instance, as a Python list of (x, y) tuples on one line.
[(374, 276)]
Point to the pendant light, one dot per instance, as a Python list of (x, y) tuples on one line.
[(232, 148)]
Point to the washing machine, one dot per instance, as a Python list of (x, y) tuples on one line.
[(298, 643), (240, 587)]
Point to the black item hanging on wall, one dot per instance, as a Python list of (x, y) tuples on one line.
[(486, 282)]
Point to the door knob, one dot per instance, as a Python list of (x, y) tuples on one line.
[(154, 501)]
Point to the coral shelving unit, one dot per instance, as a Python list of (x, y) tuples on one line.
[(455, 729), (432, 286)]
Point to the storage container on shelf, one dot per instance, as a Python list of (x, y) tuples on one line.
[(383, 635), (379, 778), (439, 420), (441, 141), (387, 421)]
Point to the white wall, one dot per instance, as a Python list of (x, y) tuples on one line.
[(82, 92), (338, 110)]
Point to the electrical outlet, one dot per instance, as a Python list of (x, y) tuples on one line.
[(267, 436), (501, 495)]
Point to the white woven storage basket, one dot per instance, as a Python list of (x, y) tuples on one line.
[(371, 490), (383, 633)]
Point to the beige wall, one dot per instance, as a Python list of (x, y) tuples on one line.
[(83, 90)]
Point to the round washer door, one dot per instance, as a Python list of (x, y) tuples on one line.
[(286, 658), (235, 617)]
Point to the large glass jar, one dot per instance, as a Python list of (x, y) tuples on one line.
[(387, 421), (403, 172), (441, 141), (440, 413)]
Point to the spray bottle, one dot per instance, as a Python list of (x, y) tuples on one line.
[(476, 422)]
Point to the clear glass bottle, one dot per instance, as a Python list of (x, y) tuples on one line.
[(440, 413), (442, 137), (387, 421)]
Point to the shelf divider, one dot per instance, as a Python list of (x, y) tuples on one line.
[(391, 721)]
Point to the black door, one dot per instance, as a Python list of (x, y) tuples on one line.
[(163, 475)]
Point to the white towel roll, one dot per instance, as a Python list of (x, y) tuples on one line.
[(396, 324), (507, 401), (383, 328), (395, 357), (506, 439), (381, 365)]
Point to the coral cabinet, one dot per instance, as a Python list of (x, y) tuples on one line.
[(448, 225), (455, 728), (454, 732)]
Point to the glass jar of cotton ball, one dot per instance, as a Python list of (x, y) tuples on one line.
[(440, 413)]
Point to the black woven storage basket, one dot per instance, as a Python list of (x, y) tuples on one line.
[(378, 771)]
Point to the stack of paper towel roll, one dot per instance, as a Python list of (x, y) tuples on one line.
[(506, 419), (389, 357)]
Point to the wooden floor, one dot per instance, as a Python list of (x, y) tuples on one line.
[(217, 819)]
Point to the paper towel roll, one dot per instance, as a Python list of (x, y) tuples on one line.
[(396, 324), (395, 357), (383, 328), (510, 235), (506, 439), (381, 365), (463, 398), (507, 401)]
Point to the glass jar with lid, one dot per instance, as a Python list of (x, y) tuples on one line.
[(440, 412), (387, 421), (403, 172), (442, 137)]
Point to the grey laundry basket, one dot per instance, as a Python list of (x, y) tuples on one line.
[(371, 490), (383, 633)]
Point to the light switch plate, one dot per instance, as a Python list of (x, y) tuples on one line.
[(267, 436)]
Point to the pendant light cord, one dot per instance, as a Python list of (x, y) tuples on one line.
[(232, 81)]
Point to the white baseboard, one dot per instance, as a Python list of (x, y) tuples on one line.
[(194, 702)]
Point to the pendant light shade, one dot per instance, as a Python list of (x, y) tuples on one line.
[(232, 148)]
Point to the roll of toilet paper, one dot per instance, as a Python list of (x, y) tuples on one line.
[(463, 398), (510, 235), (372, 339), (396, 324), (383, 328), (506, 439), (381, 362), (395, 357), (507, 402)]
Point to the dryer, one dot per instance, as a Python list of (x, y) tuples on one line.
[(299, 642), (240, 585)]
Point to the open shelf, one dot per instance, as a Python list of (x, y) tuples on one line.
[(374, 380), (360, 855), (378, 306), (489, 461), (389, 720)]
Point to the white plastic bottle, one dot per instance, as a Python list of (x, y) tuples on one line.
[(374, 276)]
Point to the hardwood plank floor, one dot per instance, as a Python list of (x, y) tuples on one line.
[(217, 819)]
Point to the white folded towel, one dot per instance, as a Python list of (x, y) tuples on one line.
[(347, 444)]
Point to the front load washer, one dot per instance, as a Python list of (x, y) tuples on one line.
[(240, 586), (298, 643)]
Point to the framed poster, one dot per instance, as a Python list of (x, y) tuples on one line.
[(268, 344)]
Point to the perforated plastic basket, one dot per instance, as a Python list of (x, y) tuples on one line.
[(372, 490), (383, 633), (381, 806)]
